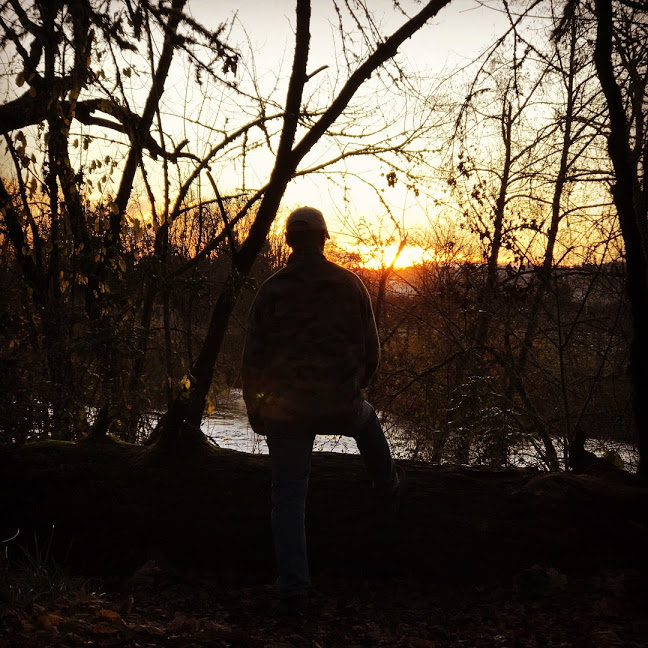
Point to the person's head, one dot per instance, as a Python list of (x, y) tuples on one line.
[(306, 227)]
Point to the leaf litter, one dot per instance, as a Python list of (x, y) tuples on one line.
[(607, 610)]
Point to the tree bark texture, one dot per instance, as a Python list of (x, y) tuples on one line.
[(630, 220)]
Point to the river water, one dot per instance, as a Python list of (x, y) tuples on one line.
[(228, 426)]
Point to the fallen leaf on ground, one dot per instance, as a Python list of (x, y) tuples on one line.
[(48, 621), (417, 642), (127, 605), (181, 623), (104, 628), (84, 596), (109, 614)]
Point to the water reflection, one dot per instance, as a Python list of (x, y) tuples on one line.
[(229, 427)]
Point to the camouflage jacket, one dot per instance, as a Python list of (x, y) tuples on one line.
[(311, 343)]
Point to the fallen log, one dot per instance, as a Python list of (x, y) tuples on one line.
[(106, 507)]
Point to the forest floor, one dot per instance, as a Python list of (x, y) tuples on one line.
[(126, 546), (161, 608)]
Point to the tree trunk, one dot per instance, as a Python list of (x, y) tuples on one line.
[(632, 223)]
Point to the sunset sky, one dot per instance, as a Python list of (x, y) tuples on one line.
[(264, 34), (354, 194)]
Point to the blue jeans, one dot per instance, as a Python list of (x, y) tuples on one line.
[(290, 449)]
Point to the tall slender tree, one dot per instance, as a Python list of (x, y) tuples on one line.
[(621, 39)]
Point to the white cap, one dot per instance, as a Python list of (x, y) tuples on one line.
[(305, 219)]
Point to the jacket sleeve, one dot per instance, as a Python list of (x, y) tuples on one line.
[(372, 342), (253, 364)]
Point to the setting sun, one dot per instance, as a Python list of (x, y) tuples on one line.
[(410, 255), (372, 258)]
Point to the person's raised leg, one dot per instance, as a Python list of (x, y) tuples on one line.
[(374, 449), (290, 457)]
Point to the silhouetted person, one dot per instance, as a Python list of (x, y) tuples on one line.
[(311, 347)]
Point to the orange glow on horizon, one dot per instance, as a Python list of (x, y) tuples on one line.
[(371, 258), (410, 255)]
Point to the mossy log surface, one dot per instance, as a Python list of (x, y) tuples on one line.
[(114, 506)]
